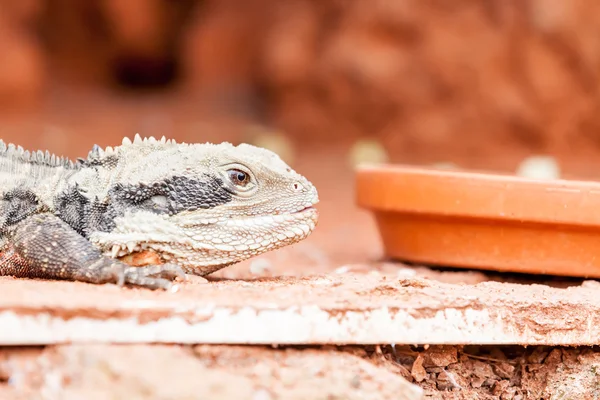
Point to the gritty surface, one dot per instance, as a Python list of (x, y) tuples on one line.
[(343, 291), (241, 372), (100, 372), (339, 308), (489, 372)]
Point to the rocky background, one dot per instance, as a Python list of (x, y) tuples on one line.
[(482, 83)]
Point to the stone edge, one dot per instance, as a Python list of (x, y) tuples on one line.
[(297, 325)]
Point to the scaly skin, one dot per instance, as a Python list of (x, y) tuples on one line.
[(200, 207)]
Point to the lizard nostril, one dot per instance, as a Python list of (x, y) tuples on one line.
[(297, 186)]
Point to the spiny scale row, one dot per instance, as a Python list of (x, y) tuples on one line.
[(137, 139), (46, 158), (97, 152), (38, 157)]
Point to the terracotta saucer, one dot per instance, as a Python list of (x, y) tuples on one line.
[(485, 221)]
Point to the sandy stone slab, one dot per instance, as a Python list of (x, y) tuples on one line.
[(339, 308), (201, 372)]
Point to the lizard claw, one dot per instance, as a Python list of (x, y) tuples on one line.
[(120, 273), (154, 276), (169, 271)]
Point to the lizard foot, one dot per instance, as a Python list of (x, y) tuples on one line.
[(153, 276), (65, 254)]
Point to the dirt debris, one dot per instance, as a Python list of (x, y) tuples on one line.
[(417, 370), (439, 356), (489, 372)]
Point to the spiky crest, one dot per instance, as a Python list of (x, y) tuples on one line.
[(97, 153), (34, 157)]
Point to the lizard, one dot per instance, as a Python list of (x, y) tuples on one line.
[(199, 206)]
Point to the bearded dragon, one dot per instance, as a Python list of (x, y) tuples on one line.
[(200, 207)]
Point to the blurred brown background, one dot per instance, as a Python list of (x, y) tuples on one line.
[(478, 83)]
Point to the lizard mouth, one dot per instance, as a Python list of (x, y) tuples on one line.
[(307, 208)]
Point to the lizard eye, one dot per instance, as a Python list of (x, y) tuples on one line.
[(238, 177)]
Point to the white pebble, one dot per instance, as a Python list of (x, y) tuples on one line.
[(342, 270), (368, 152), (539, 167)]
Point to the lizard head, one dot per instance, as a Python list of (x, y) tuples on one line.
[(202, 206)]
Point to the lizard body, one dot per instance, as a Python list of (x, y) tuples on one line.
[(200, 207)]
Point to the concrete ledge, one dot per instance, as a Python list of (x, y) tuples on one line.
[(338, 309), (103, 371)]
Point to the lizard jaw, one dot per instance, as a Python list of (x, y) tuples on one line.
[(202, 248)]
